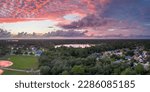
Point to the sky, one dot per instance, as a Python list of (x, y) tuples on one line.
[(77, 18)]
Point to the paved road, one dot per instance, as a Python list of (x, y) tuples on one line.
[(19, 70)]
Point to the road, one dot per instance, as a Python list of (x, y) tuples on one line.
[(19, 70)]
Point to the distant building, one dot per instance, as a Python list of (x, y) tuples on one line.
[(128, 58), (118, 53), (146, 66), (38, 53), (118, 61), (141, 60)]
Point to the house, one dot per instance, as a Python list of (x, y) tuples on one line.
[(146, 66), (118, 53), (141, 60), (140, 56), (126, 49), (128, 58), (135, 64), (107, 53), (118, 61), (136, 57), (136, 52), (38, 53), (145, 54)]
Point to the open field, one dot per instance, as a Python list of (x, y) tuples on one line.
[(23, 63)]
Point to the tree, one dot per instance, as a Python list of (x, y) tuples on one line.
[(139, 69), (44, 70), (4, 50), (78, 69), (89, 61), (98, 69), (130, 53), (128, 71), (65, 73)]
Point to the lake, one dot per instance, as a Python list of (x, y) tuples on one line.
[(75, 45)]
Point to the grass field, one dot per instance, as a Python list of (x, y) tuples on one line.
[(22, 62)]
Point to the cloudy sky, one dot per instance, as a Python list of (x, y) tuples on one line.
[(77, 18)]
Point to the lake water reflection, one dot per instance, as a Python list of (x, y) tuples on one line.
[(75, 45)]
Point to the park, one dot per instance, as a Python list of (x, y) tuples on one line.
[(19, 65)]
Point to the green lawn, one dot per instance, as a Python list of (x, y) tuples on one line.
[(22, 62)]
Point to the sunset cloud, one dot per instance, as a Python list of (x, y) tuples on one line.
[(50, 9), (101, 18), (69, 33)]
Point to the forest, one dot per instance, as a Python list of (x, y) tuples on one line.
[(91, 61)]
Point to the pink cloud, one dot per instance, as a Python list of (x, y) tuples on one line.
[(22, 10)]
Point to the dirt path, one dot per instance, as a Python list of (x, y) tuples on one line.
[(5, 63), (1, 71)]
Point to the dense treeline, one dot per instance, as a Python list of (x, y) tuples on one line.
[(4, 50), (63, 60), (47, 42)]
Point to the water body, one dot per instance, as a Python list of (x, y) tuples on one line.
[(75, 45)]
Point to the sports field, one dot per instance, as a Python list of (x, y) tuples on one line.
[(21, 63)]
